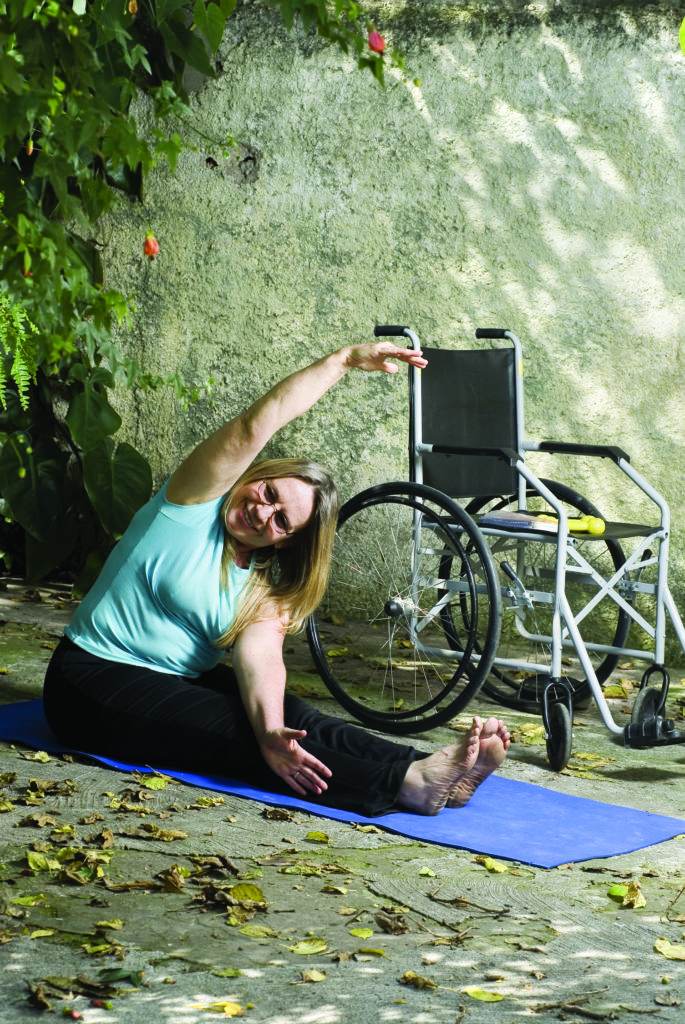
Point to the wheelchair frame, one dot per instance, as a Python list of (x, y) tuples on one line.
[(566, 633)]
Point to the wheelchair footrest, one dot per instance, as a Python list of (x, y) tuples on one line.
[(653, 731)]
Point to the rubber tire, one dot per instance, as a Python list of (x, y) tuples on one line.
[(583, 695), (399, 723), (646, 705), (560, 737)]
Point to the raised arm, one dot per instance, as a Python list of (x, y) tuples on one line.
[(217, 462), (261, 674)]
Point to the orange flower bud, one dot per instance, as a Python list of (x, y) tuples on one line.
[(150, 246)]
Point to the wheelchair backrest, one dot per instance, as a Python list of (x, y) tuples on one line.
[(468, 398)]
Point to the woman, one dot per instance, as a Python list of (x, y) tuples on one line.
[(236, 553)]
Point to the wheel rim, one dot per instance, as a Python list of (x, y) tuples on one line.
[(378, 638), (608, 623)]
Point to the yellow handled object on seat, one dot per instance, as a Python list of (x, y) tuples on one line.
[(581, 524)]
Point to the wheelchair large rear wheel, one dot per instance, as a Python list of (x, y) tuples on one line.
[(606, 624), (378, 639)]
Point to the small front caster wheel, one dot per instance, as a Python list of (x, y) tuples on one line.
[(647, 705), (559, 737)]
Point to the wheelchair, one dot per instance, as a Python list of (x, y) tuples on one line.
[(432, 599)]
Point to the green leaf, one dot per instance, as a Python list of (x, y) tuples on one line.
[(90, 417), (117, 484), (258, 931), (317, 837), (226, 1007), (32, 481), (491, 865), (31, 900), (121, 974), (165, 9), (211, 21), (670, 950), (41, 756), (156, 781), (186, 45), (246, 892), (481, 994), (313, 975), (361, 933), (417, 980), (309, 947), (40, 862)]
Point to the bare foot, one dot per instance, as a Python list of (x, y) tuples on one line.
[(494, 741), (429, 782)]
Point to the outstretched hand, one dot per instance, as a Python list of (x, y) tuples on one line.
[(378, 356), (292, 763)]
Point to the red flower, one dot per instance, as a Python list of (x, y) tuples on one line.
[(150, 246), (376, 42)]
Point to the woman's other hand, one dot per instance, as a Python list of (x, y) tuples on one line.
[(292, 763), (378, 356)]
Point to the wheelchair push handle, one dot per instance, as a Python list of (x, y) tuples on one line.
[(491, 332), (389, 331)]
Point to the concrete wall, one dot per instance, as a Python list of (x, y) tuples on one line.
[(533, 180)]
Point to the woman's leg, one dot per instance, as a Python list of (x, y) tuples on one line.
[(141, 715), (149, 717), (374, 775), (368, 770)]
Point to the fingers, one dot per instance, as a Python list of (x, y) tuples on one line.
[(318, 766), (304, 779), (407, 355)]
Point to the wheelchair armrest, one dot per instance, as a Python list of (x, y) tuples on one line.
[(602, 451), (508, 454)]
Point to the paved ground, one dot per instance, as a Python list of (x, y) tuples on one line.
[(126, 895)]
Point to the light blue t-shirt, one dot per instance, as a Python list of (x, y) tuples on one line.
[(158, 601)]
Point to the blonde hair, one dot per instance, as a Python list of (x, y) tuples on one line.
[(291, 579)]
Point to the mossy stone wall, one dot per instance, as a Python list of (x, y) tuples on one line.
[(533, 179)]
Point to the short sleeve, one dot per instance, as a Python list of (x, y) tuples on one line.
[(201, 514)]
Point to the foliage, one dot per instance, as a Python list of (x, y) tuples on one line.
[(71, 146)]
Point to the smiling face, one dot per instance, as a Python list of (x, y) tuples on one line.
[(267, 513)]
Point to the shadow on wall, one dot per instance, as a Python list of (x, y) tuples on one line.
[(560, 145)]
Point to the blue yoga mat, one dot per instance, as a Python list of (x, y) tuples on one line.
[(508, 819)]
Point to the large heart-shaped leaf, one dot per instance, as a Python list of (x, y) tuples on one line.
[(90, 417), (32, 481), (117, 482)]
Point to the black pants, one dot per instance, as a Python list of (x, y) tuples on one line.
[(152, 718)]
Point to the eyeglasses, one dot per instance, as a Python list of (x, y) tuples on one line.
[(268, 496)]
